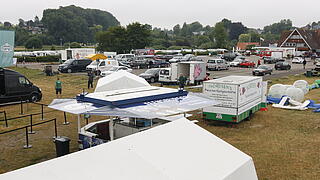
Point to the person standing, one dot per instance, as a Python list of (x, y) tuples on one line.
[(304, 62), (182, 81), (58, 87), (90, 79)]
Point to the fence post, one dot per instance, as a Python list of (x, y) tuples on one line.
[(55, 128), (27, 140), (21, 107), (41, 111), (5, 118), (31, 131), (65, 119)]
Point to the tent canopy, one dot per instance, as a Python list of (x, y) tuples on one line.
[(120, 80), (149, 110), (96, 56), (179, 150)]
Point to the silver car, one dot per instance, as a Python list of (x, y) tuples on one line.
[(217, 64)]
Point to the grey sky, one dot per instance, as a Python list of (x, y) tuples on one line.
[(167, 13)]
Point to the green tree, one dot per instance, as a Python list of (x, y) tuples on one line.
[(220, 35), (138, 35), (33, 43), (278, 28)]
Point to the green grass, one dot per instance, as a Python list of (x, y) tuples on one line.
[(284, 144)]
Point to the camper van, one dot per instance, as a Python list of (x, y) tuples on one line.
[(16, 87), (98, 66), (195, 71)]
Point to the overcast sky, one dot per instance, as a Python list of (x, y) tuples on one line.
[(167, 13)]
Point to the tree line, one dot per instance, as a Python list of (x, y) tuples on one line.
[(73, 26)]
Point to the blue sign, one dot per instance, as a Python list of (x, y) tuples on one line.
[(6, 48)]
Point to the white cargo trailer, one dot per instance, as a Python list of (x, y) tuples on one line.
[(238, 97), (76, 53), (194, 71)]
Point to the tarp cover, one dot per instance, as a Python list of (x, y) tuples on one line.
[(179, 150), (150, 110), (120, 80)]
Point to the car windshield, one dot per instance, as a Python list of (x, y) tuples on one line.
[(151, 71), (262, 67), (94, 63), (114, 68), (68, 61)]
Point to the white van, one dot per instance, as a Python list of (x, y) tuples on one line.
[(217, 64), (124, 57), (98, 66)]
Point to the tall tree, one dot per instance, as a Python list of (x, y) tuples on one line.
[(220, 35)]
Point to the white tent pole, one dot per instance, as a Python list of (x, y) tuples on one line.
[(111, 129), (151, 122), (79, 126)]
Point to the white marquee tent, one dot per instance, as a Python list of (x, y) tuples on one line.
[(120, 80), (179, 150)]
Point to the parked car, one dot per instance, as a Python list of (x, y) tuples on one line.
[(297, 60), (151, 75), (282, 66), (217, 64), (16, 87), (236, 62), (74, 65), (115, 69), (271, 60), (158, 63), (247, 64), (101, 65), (176, 59), (262, 70)]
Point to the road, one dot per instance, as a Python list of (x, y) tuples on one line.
[(295, 69)]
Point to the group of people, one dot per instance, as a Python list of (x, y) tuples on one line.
[(58, 84)]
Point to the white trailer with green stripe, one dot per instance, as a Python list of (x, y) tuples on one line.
[(238, 97)]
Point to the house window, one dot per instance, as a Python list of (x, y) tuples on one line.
[(295, 37)]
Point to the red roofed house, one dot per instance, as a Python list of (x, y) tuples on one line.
[(244, 45), (301, 39)]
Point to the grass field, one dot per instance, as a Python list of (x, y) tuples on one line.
[(284, 144)]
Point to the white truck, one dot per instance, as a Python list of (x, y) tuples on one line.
[(195, 71), (101, 65), (76, 53), (238, 97)]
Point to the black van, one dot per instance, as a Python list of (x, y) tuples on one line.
[(16, 87), (74, 65)]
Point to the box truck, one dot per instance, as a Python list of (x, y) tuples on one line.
[(195, 71), (238, 97)]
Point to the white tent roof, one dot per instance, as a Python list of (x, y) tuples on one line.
[(178, 150), (120, 80)]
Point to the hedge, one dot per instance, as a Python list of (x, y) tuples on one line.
[(38, 59)]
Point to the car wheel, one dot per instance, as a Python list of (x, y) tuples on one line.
[(152, 80), (34, 98), (69, 70), (270, 73)]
